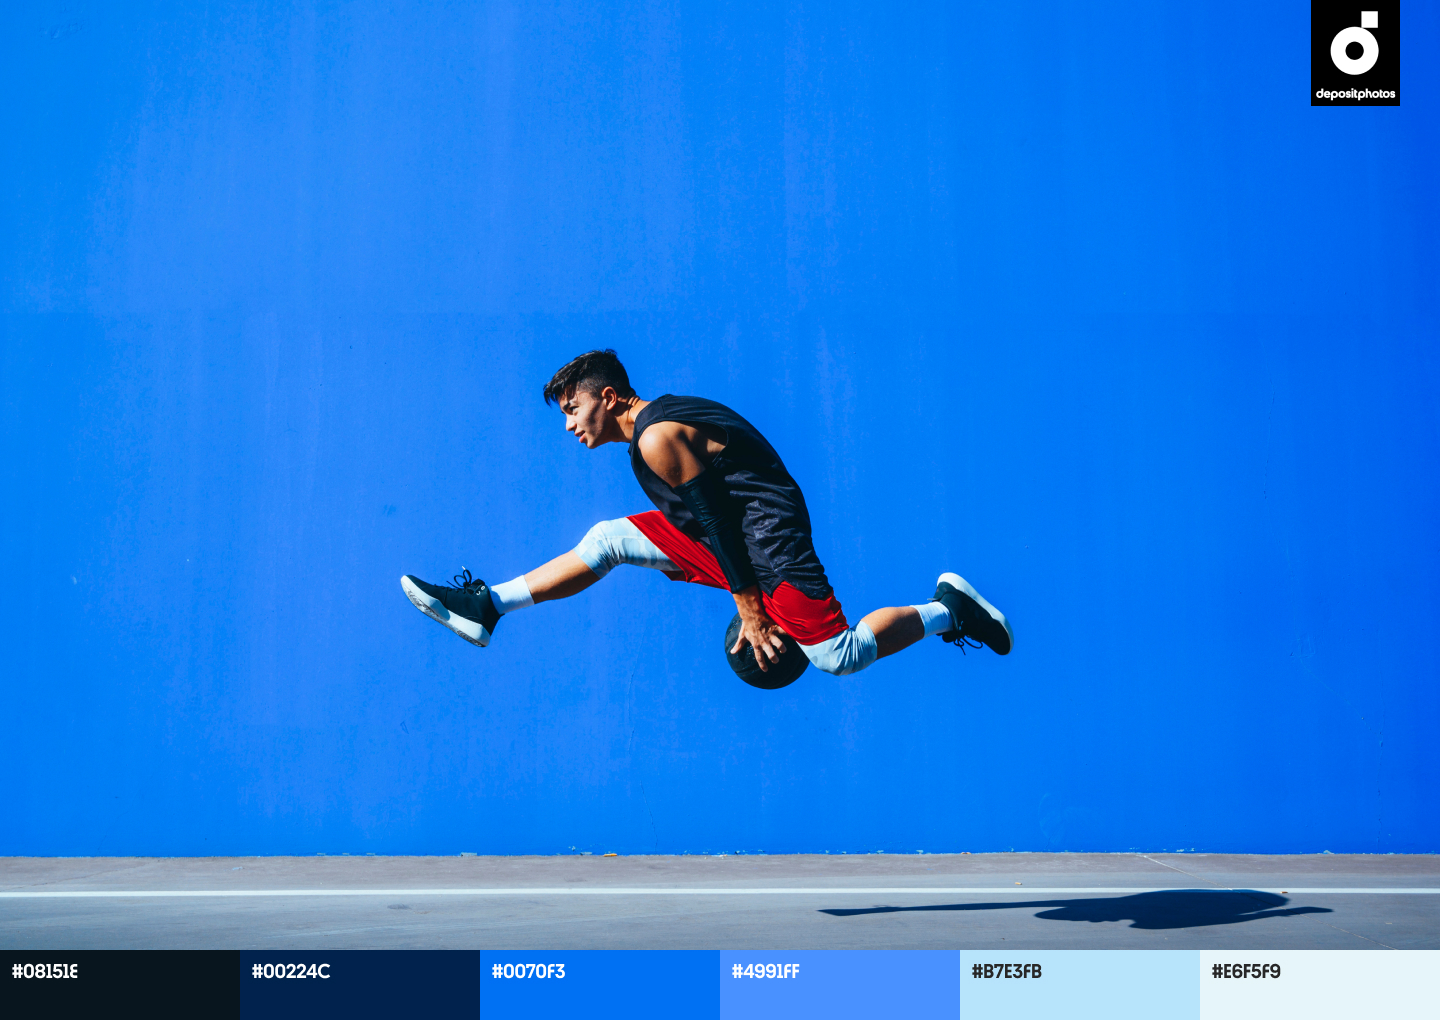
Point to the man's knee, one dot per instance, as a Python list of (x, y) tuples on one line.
[(611, 543), (600, 549), (847, 652)]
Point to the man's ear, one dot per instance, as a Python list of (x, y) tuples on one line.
[(609, 398)]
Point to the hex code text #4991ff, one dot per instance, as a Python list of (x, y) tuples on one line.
[(765, 970)]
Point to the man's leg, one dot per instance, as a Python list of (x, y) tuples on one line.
[(956, 612), (472, 608), (565, 575), (895, 628), (605, 546), (569, 574)]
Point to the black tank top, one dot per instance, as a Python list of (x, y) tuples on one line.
[(770, 505)]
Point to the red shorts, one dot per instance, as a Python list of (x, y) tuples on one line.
[(809, 621)]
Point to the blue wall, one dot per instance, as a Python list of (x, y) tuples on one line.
[(1090, 306)]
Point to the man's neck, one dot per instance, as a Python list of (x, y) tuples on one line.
[(626, 420)]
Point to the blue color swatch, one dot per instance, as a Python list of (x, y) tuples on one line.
[(838, 984), (627, 985)]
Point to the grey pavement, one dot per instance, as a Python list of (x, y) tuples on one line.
[(941, 901)]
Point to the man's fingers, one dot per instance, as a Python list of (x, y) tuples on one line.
[(755, 650), (767, 647)]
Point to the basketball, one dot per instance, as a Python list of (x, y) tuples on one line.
[(781, 674)]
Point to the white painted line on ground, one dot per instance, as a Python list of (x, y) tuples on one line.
[(1011, 890)]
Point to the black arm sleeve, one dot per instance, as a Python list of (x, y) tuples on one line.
[(709, 504)]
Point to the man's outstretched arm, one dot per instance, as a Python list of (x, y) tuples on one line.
[(680, 455)]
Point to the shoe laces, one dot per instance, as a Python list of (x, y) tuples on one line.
[(465, 582), (960, 639)]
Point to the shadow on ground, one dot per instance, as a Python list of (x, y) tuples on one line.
[(1173, 908)]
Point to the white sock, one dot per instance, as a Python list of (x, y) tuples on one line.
[(511, 595), (935, 617)]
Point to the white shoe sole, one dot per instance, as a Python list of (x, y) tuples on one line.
[(960, 584), (432, 607)]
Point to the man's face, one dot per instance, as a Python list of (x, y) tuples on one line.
[(588, 415)]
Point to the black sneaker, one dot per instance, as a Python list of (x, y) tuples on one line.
[(978, 620), (466, 609)]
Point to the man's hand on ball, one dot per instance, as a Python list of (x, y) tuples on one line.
[(763, 634)]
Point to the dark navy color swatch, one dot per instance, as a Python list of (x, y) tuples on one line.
[(281, 985)]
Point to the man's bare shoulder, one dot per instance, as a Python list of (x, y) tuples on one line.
[(661, 436), (674, 450)]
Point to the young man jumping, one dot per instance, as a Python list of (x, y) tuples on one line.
[(728, 515)]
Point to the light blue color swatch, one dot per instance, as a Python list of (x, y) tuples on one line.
[(1080, 984)]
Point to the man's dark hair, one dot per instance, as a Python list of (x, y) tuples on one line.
[(591, 372)]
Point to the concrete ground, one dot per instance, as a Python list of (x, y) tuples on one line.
[(959, 901)]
